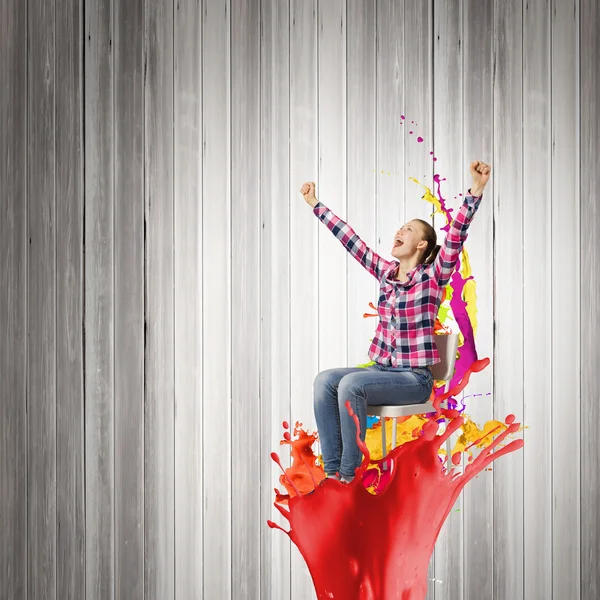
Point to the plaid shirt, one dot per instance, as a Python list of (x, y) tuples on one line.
[(407, 310)]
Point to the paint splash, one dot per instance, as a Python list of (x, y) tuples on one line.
[(401, 508), (335, 526)]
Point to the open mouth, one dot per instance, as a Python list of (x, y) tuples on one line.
[(398, 243)]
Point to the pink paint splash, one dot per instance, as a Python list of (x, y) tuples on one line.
[(363, 546)]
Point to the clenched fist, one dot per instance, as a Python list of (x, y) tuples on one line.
[(480, 172), (308, 191)]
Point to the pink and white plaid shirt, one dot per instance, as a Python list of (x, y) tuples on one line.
[(407, 310)]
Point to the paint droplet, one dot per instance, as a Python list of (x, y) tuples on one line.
[(402, 117), (410, 132), (434, 159), (286, 425), (419, 139), (510, 419), (431, 152)]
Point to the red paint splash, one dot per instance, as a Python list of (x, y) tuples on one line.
[(363, 546)]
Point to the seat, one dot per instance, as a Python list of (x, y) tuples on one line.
[(447, 346)]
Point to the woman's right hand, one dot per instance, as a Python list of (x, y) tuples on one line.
[(308, 191)]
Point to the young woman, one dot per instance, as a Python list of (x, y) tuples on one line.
[(410, 291)]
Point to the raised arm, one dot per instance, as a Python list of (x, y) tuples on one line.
[(370, 260), (445, 261)]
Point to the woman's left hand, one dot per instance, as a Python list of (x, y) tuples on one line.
[(480, 172)]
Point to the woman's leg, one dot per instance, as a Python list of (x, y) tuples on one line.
[(327, 415), (374, 387)]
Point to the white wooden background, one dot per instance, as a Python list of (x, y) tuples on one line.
[(167, 297)]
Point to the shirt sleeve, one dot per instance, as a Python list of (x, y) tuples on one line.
[(447, 257), (370, 260)]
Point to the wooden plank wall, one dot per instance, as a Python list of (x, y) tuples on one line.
[(168, 298)]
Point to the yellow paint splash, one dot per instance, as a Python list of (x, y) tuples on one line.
[(409, 428)]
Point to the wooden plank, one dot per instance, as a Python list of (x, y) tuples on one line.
[(565, 294), (188, 306), (418, 103), (70, 542), (589, 273), (477, 119), (41, 294), (99, 300), (246, 425), (131, 577), (331, 315), (509, 270), (277, 193), (447, 145), (13, 300), (159, 393), (390, 99), (536, 234), (303, 237), (360, 165), (220, 445)]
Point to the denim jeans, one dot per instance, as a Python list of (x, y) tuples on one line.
[(374, 385)]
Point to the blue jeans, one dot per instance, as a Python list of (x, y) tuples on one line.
[(374, 385)]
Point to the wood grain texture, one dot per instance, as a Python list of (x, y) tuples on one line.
[(589, 285), (130, 327), (159, 394), (478, 145), (360, 165), (303, 236), (447, 144), (70, 503), (276, 194), (220, 446), (151, 158), (99, 300), (566, 298), (331, 85), (188, 306), (418, 107), (41, 293), (509, 267), (13, 299), (390, 94), (245, 287), (537, 272)]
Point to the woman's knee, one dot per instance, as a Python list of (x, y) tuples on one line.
[(351, 385), (328, 377)]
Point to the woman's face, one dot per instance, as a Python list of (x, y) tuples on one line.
[(408, 241)]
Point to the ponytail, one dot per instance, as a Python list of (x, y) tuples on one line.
[(432, 255), (430, 236)]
